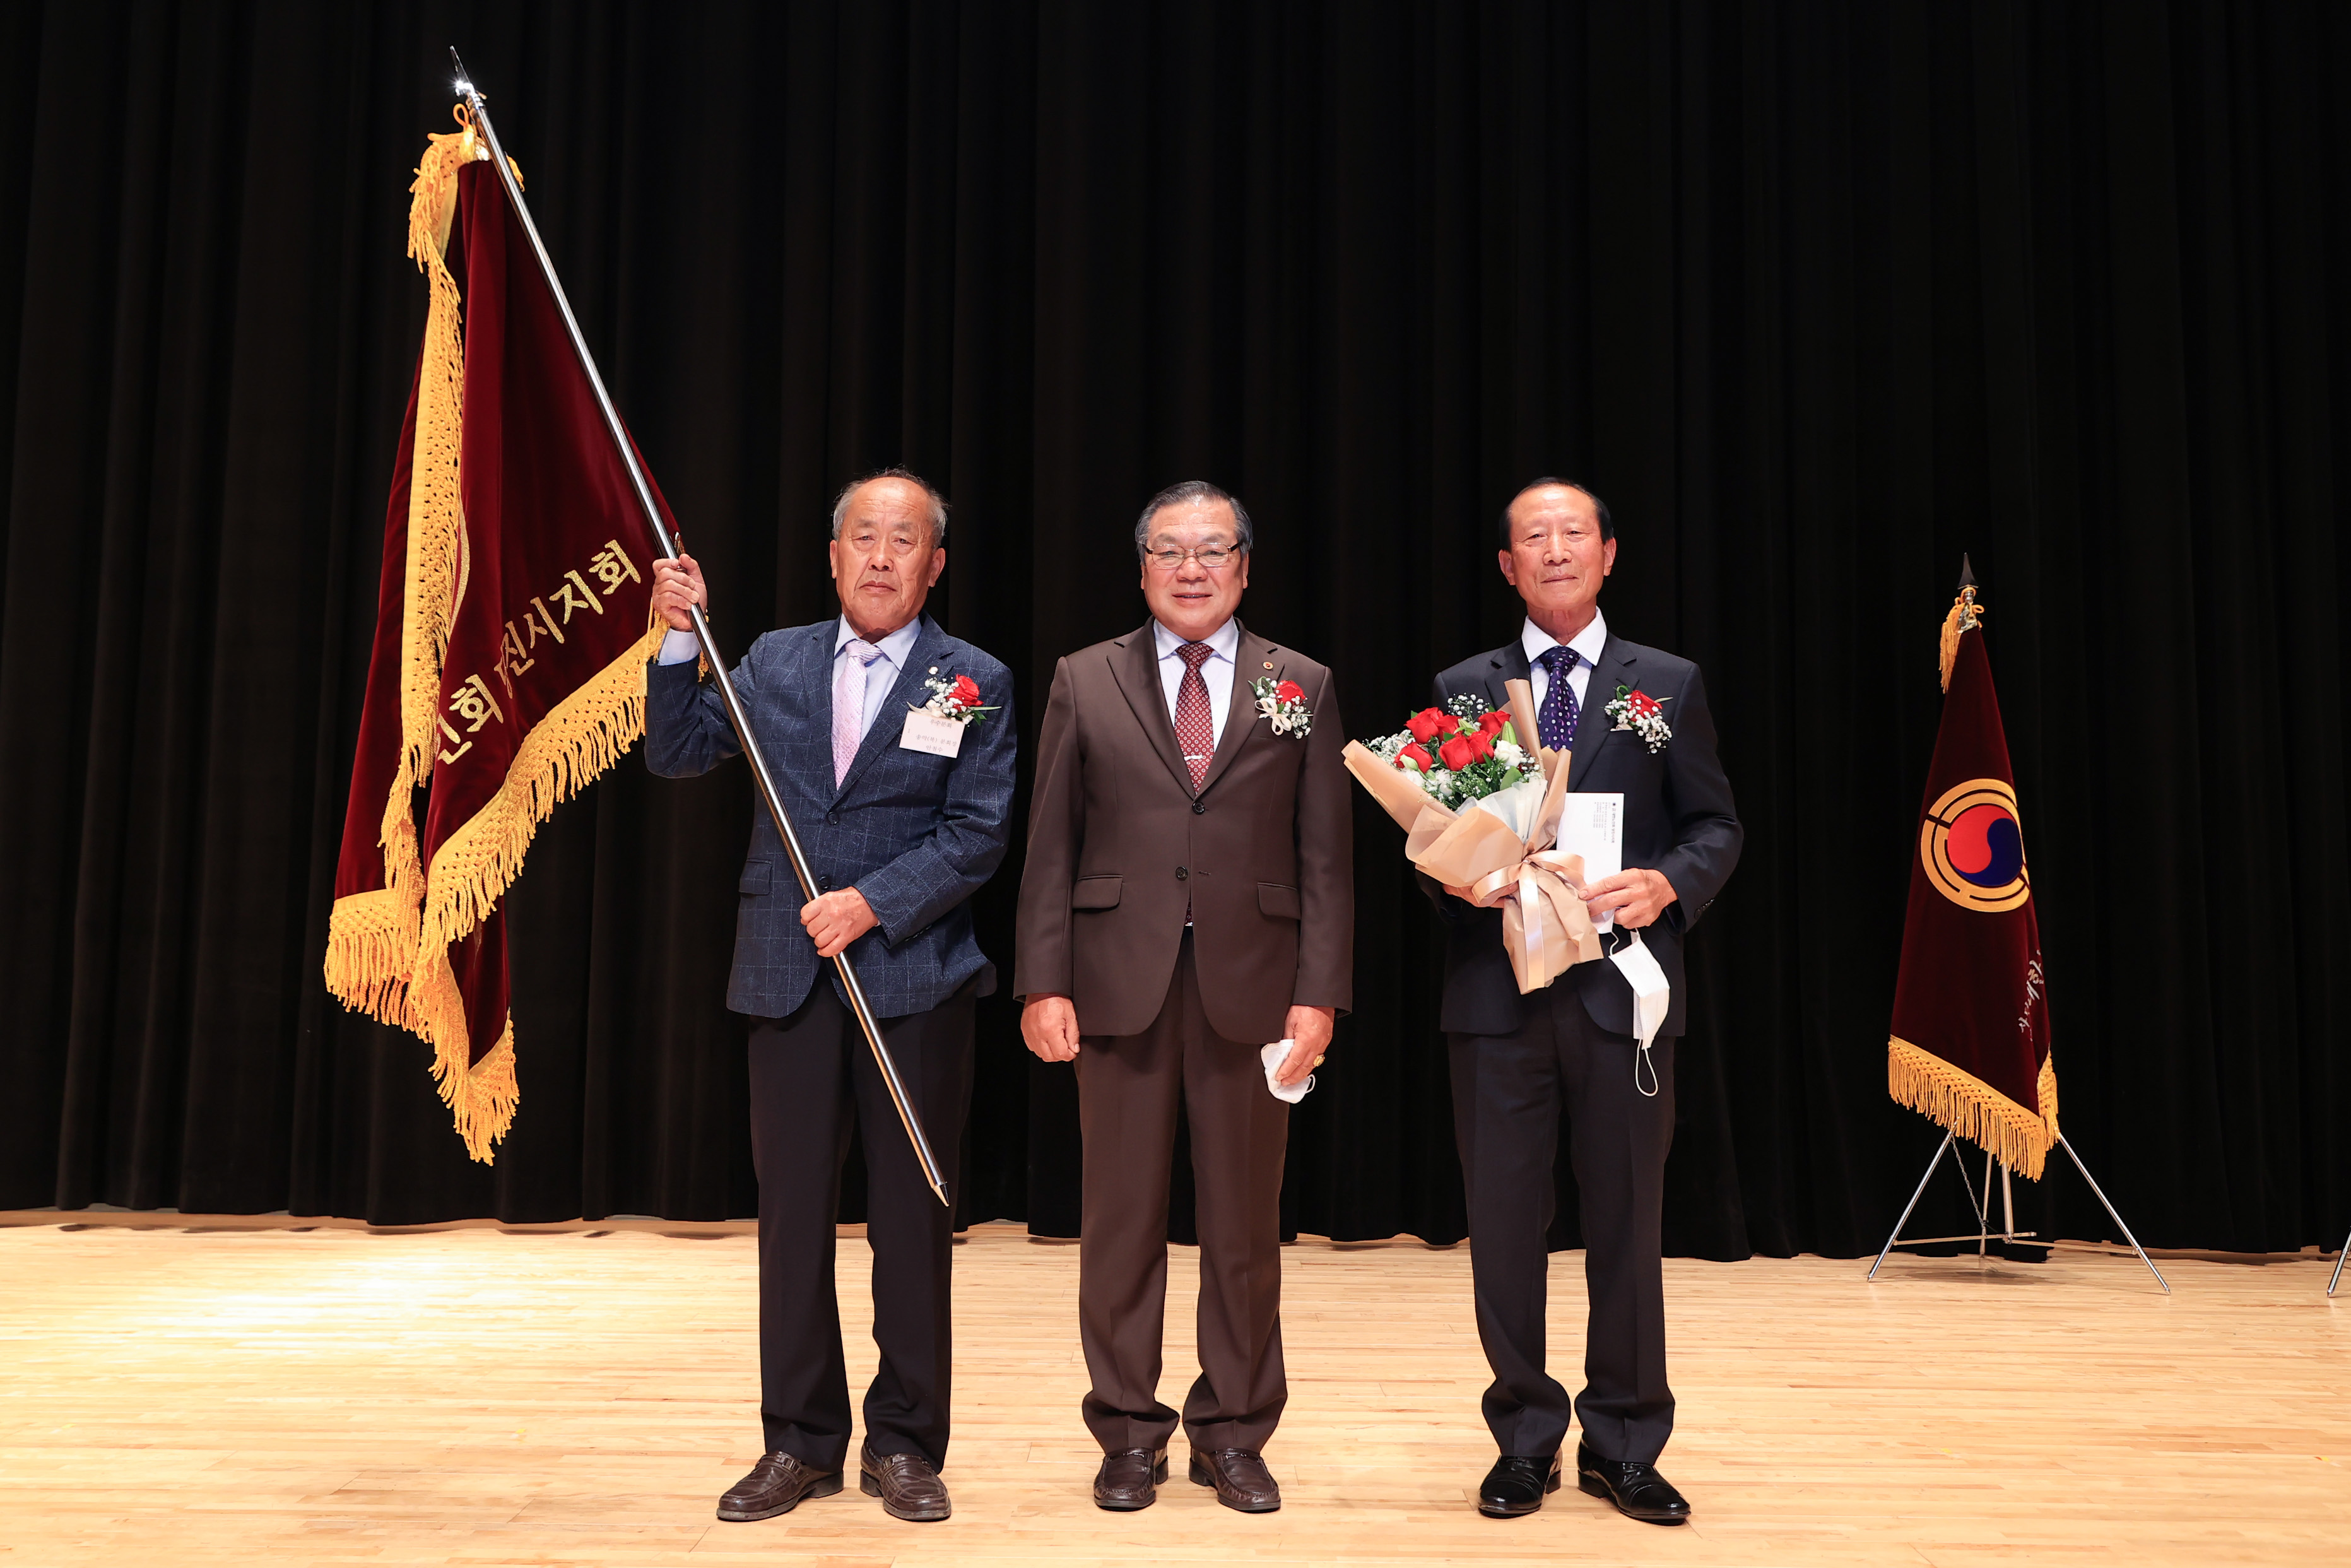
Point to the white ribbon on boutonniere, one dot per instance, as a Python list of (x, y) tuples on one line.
[(1283, 705), (1642, 713)]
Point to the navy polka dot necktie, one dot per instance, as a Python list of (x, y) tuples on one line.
[(1557, 719)]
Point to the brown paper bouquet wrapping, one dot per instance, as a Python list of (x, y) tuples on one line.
[(1497, 847)]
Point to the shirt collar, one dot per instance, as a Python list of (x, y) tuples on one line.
[(897, 647), (1224, 642), (1587, 642)]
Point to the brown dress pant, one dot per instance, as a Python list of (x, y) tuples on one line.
[(1129, 1087)]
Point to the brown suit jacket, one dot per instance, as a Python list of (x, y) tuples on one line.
[(1118, 843)]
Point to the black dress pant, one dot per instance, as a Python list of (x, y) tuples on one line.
[(811, 1074), (1507, 1091)]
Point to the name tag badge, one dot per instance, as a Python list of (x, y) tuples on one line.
[(928, 732)]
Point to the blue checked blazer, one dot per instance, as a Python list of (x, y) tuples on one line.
[(916, 834)]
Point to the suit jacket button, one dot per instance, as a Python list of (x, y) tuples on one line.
[(824, 884), (1199, 808), (1181, 873), (832, 818)]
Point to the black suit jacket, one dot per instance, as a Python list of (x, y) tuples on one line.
[(1678, 819)]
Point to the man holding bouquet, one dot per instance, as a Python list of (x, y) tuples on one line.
[(1188, 906), (1634, 721)]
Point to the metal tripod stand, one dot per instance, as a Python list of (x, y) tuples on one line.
[(2008, 1231)]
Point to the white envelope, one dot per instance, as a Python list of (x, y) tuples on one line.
[(1592, 826)]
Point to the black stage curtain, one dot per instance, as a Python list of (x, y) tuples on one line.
[(1817, 295)]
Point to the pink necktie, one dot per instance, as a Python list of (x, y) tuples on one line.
[(849, 704)]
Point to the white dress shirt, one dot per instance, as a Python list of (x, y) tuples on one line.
[(1587, 644), (1216, 671), (881, 675)]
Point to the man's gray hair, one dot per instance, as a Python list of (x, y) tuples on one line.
[(1192, 490), (938, 502)]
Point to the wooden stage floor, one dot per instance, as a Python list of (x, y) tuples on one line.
[(185, 1391)]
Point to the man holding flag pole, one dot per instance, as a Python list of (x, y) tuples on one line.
[(893, 742), (517, 618)]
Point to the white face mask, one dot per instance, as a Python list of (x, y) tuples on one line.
[(1273, 1056)]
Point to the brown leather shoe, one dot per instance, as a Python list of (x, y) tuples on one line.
[(1129, 1478), (1240, 1478), (777, 1484), (907, 1484)]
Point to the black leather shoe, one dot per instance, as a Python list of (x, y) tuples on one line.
[(907, 1484), (1636, 1488), (1517, 1484), (1128, 1480), (777, 1484), (1240, 1478)]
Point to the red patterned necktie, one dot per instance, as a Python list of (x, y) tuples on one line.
[(1196, 724)]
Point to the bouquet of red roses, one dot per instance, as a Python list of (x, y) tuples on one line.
[(1480, 811), (1459, 753)]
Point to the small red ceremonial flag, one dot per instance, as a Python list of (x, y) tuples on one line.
[(513, 626), (1971, 1043)]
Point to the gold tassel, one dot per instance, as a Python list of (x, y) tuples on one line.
[(1966, 616), (1960, 1103)]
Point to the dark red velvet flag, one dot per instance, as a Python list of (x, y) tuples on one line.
[(512, 632), (1971, 1042)]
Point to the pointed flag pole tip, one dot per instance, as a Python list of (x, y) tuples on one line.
[(1967, 571)]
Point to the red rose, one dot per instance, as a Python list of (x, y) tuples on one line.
[(1493, 722), (1426, 724), (1416, 757), (1641, 704), (1456, 752), (965, 690), (1289, 692), (1480, 743)]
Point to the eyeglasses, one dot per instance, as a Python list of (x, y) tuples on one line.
[(1212, 558)]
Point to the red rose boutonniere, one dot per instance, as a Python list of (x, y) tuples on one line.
[(956, 700), (1642, 713), (1284, 705)]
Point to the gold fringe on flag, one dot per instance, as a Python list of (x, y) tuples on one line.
[(1960, 1103), (371, 937), (581, 736)]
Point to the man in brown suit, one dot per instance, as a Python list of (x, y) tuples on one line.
[(1189, 899)]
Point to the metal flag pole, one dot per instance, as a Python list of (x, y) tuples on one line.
[(708, 644), (2337, 1279)]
